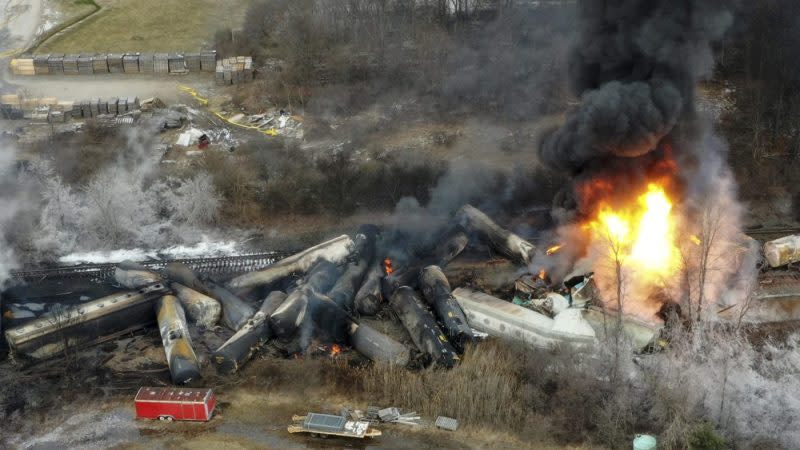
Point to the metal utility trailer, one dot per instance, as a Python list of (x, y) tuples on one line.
[(324, 425), (168, 403)]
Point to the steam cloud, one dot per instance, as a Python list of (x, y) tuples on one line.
[(9, 205), (634, 66)]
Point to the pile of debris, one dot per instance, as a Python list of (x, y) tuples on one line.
[(324, 294), (393, 415), (315, 294), (275, 122)]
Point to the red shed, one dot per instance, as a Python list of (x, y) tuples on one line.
[(167, 403)]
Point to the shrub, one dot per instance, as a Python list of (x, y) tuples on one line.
[(704, 437)]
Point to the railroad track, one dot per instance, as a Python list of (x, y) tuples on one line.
[(217, 265), (234, 264), (770, 232)]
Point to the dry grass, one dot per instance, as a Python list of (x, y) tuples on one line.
[(149, 26), (485, 389), (69, 10)]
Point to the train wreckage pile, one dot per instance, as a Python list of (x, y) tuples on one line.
[(326, 294)]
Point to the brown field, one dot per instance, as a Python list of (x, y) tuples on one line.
[(148, 26)]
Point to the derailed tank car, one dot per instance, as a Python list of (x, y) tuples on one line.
[(85, 324)]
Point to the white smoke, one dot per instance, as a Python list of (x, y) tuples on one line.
[(9, 206), (747, 391), (129, 203), (121, 208)]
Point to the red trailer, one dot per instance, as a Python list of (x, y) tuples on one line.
[(166, 403)]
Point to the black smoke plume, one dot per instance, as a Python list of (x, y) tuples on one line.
[(635, 65)]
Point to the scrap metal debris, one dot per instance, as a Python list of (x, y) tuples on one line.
[(393, 415), (446, 423), (317, 299)]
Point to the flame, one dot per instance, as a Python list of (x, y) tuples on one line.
[(554, 249), (387, 265), (542, 275), (695, 240), (335, 349), (641, 235)]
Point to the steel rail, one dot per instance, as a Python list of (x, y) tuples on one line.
[(215, 265)]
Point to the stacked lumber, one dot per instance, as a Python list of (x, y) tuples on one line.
[(85, 65), (133, 103), (55, 64), (177, 63), (10, 107), (161, 63), (86, 108), (130, 63), (100, 64), (192, 62), (112, 105), (239, 68), (115, 63), (208, 61), (234, 70), (71, 65), (146, 63), (9, 99), (22, 66), (40, 66)]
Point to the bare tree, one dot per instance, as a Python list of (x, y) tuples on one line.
[(706, 257), (613, 239), (63, 317)]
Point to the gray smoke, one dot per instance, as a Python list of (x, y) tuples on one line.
[(9, 205), (634, 66)]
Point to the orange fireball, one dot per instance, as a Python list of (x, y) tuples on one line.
[(641, 235)]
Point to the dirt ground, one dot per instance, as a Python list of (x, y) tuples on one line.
[(254, 409), (78, 88), (149, 26), (246, 418)]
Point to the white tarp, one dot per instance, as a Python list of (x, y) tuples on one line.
[(189, 137)]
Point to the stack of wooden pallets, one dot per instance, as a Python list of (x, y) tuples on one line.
[(235, 70), (85, 65), (192, 62), (208, 61), (130, 63), (100, 64), (146, 63), (177, 63), (40, 66), (115, 63), (161, 63), (55, 64), (71, 65)]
